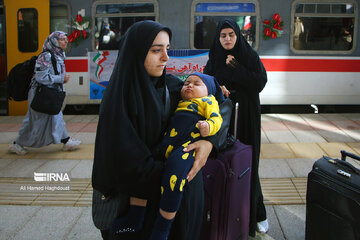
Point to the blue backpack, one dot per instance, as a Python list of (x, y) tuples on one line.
[(19, 78)]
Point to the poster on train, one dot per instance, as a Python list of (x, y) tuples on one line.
[(181, 63), (184, 62), (101, 64)]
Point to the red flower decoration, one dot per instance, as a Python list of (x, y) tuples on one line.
[(267, 31), (276, 17), (76, 33), (80, 30), (78, 18), (273, 28), (71, 37)]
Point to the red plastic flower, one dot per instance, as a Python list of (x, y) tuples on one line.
[(76, 34), (71, 37), (273, 28), (276, 17), (267, 31), (84, 33), (273, 35), (79, 18)]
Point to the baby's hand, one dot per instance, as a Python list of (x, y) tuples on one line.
[(225, 91), (204, 128)]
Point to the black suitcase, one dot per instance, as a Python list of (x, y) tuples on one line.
[(333, 200)]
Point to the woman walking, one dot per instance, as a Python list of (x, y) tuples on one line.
[(41, 129)]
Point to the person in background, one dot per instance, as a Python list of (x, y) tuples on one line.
[(242, 76), (40, 129)]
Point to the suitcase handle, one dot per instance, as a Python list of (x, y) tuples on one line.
[(345, 154), (348, 165)]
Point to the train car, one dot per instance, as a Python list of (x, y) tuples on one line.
[(310, 48)]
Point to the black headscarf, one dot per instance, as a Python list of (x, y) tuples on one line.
[(131, 112), (242, 51)]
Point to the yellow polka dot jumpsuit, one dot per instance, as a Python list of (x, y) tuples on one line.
[(181, 132)]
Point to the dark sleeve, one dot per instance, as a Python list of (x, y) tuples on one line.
[(120, 168), (219, 139), (147, 183), (253, 80)]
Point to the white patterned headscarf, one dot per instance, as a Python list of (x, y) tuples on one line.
[(51, 44)]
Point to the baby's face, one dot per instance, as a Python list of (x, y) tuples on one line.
[(193, 87)]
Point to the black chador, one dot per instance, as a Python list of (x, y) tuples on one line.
[(245, 78), (132, 120)]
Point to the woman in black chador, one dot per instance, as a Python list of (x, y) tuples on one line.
[(134, 114), (242, 76)]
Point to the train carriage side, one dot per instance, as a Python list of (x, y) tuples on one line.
[(317, 60), (314, 59)]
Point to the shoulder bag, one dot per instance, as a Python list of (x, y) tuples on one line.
[(106, 209), (47, 100)]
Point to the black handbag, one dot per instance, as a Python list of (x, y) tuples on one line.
[(47, 100), (106, 209)]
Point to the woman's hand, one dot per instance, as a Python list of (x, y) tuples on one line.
[(229, 59), (202, 151), (66, 78), (225, 91)]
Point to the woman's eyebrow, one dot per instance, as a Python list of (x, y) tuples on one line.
[(159, 45), (227, 33)]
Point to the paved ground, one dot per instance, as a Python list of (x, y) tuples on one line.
[(290, 145)]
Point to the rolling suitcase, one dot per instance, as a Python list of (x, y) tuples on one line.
[(333, 200), (227, 181)]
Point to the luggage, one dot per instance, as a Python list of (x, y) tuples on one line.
[(227, 180), (227, 194), (333, 200)]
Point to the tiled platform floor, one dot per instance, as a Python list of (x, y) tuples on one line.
[(290, 145)]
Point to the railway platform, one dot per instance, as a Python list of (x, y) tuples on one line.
[(61, 209)]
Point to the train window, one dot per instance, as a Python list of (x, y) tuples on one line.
[(113, 19), (59, 17), (27, 23), (323, 27), (206, 15)]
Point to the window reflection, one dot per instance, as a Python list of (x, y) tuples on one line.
[(316, 33), (321, 30), (59, 18), (205, 25), (205, 28), (110, 29), (27, 23)]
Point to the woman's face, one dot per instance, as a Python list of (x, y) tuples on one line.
[(63, 41), (157, 57), (227, 38), (193, 87)]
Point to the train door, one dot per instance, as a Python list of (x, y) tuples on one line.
[(27, 26), (3, 91)]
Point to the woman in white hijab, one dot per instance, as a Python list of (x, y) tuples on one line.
[(40, 129)]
